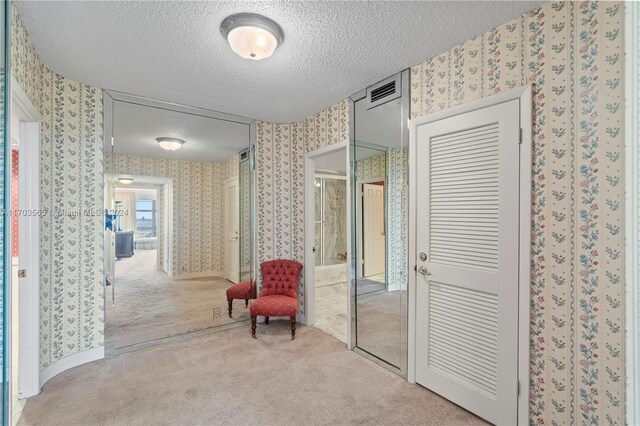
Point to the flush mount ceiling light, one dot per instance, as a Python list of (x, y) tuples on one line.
[(125, 180), (170, 144), (252, 36)]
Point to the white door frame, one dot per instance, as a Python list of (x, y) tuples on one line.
[(227, 243), (28, 247), (309, 232), (167, 218), (524, 95), (158, 183), (632, 179)]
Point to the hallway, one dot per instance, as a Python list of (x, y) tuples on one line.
[(229, 378), (149, 305)]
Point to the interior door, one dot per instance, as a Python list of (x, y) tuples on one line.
[(373, 232), (232, 221), (467, 244)]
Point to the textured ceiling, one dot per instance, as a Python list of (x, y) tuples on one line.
[(173, 51), (135, 128)]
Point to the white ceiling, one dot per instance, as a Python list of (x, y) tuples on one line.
[(141, 193), (135, 128), (137, 180), (173, 51), (335, 161)]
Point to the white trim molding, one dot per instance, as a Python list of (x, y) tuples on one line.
[(202, 274), (29, 243), (632, 208), (70, 361), (523, 94), (309, 232)]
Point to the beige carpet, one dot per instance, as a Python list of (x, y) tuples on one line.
[(227, 377), (150, 306), (381, 330)]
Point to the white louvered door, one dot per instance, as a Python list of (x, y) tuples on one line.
[(467, 288)]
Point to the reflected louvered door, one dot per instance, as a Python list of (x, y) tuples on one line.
[(467, 288)]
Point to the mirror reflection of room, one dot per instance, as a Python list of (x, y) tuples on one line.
[(245, 225), (179, 187), (370, 182), (137, 229)]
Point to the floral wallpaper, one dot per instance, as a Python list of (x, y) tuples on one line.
[(71, 258), (398, 220), (280, 150), (25, 63), (198, 207), (572, 53), (71, 288), (71, 269), (371, 168)]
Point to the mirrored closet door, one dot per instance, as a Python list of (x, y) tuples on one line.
[(379, 176)]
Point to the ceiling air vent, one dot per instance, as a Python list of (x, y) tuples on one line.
[(244, 155), (384, 91)]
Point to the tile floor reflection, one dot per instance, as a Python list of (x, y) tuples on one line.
[(331, 310)]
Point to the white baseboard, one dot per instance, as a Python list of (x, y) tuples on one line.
[(202, 274), (69, 362)]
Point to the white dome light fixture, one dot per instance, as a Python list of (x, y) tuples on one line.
[(125, 180), (252, 36), (170, 144)]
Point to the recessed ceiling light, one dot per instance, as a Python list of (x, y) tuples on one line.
[(125, 180), (252, 36), (170, 144)]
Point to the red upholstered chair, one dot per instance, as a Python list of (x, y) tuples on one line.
[(244, 291), (279, 295)]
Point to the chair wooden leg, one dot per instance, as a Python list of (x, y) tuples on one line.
[(266, 320), (246, 303), (293, 328), (253, 327), (230, 306)]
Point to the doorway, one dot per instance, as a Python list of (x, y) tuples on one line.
[(372, 230), (232, 230), (471, 244), (326, 239), (23, 289)]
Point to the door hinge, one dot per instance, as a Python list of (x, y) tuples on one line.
[(22, 273), (518, 387), (520, 136)]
